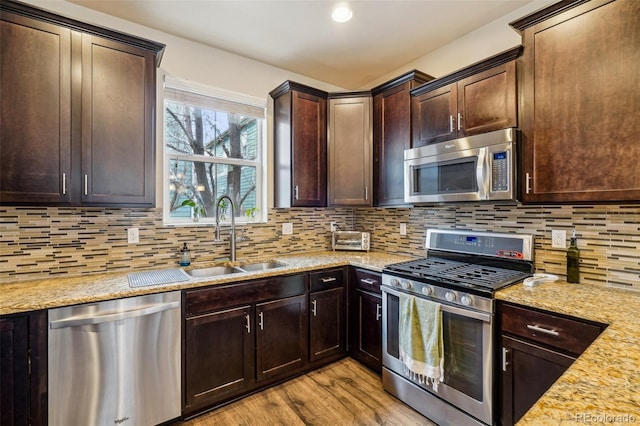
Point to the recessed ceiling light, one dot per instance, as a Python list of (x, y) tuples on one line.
[(341, 13)]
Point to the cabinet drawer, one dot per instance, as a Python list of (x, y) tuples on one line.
[(367, 280), (570, 335), (226, 296), (327, 279)]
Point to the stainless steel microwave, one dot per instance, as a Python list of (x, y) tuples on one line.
[(476, 168)]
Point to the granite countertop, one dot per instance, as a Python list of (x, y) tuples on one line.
[(603, 385), (54, 292)]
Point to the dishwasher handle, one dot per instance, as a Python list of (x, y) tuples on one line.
[(99, 319)]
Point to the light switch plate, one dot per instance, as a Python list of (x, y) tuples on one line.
[(558, 239), (287, 228)]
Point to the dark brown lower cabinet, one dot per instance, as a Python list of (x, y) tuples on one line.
[(528, 373), (365, 340), (537, 348), (23, 369), (220, 355), (281, 336), (327, 325)]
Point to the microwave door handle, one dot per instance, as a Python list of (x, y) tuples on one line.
[(483, 175)]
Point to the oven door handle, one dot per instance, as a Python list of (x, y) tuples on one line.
[(467, 313)]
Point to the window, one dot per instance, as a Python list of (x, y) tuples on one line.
[(213, 144)]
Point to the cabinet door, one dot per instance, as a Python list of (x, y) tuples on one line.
[(527, 372), (14, 371), (391, 136), (218, 356), (368, 321), (350, 156), (118, 115), (487, 101), (282, 336), (309, 150), (327, 323), (581, 105), (433, 116), (35, 111)]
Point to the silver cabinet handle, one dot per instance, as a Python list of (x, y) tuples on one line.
[(248, 326), (295, 192), (99, 319), (366, 193), (459, 121), (368, 281), (64, 184), (314, 308), (328, 279), (542, 330), (527, 183), (505, 351), (86, 184), (450, 123), (261, 323), (378, 312)]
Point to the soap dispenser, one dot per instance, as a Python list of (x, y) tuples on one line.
[(185, 256), (573, 260)]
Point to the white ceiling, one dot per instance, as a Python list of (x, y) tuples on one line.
[(299, 35)]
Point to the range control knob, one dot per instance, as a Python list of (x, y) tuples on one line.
[(395, 282), (450, 296), (406, 285), (427, 290), (466, 300)]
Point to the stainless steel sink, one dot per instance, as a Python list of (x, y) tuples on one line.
[(261, 266), (214, 271)]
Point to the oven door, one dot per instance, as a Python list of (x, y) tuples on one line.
[(468, 355)]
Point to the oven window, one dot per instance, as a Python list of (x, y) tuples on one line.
[(447, 177), (463, 354)]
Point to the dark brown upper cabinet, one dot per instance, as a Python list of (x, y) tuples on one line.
[(392, 135), (300, 146), (580, 110), (77, 112), (477, 99)]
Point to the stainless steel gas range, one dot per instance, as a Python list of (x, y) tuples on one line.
[(461, 273)]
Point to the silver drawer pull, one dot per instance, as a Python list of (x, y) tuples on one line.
[(368, 281), (378, 312), (542, 330), (328, 279)]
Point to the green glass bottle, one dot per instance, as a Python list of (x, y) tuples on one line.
[(573, 261)]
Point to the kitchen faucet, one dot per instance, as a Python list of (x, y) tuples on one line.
[(232, 238)]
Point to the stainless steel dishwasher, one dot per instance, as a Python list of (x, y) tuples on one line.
[(115, 362)]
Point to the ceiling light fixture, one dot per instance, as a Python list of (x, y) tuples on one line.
[(341, 13)]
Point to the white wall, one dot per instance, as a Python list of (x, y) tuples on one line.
[(486, 41)]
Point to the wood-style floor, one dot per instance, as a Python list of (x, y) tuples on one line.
[(343, 393)]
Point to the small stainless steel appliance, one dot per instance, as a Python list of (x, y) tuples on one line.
[(475, 168), (351, 240), (462, 271), (115, 362)]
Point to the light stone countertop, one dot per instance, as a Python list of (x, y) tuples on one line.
[(603, 385), (62, 291)]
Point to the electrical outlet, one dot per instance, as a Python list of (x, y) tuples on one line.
[(333, 226), (403, 229), (558, 239), (287, 228), (133, 235)]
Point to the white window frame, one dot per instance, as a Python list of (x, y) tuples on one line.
[(260, 162)]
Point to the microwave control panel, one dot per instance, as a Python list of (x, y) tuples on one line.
[(500, 171)]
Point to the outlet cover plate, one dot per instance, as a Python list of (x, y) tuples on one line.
[(558, 239), (403, 229), (133, 235), (287, 228)]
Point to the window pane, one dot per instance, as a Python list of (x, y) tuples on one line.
[(202, 183), (195, 130)]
